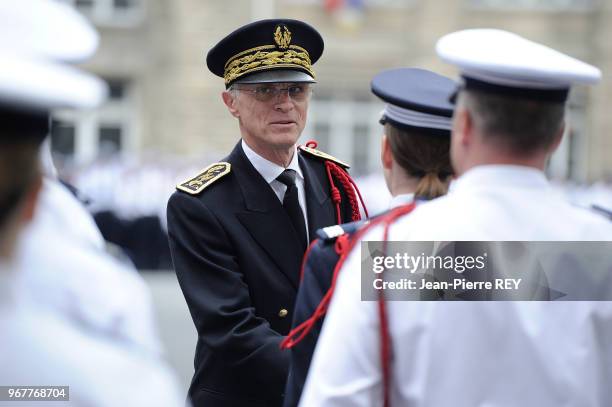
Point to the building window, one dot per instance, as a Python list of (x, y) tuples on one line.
[(79, 138), (62, 138), (321, 136), (116, 89), (348, 129), (361, 149), (569, 160), (109, 140)]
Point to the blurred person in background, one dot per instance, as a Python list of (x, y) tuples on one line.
[(416, 166), (239, 229), (97, 352), (510, 117)]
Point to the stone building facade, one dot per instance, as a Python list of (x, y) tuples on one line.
[(164, 99)]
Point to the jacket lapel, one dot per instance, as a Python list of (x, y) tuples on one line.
[(318, 203), (265, 218)]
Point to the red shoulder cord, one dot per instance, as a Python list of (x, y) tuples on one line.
[(334, 171), (343, 247), (385, 336)]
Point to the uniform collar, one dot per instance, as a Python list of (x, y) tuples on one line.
[(504, 176), (401, 199), (267, 169)]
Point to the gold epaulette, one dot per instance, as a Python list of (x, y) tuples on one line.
[(325, 156), (205, 178)]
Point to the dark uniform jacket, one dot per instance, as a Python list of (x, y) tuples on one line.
[(317, 277), (316, 280), (237, 259)]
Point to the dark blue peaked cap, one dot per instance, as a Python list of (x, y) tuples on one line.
[(265, 46), (416, 98)]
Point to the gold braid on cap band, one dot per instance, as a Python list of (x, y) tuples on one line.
[(266, 57), (281, 55)]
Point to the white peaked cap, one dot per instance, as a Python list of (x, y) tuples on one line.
[(37, 38), (46, 28), (503, 58)]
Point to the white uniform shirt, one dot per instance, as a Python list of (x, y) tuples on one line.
[(63, 268), (270, 171), (71, 316), (472, 354), (41, 348)]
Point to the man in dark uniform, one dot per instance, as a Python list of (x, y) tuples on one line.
[(239, 229)]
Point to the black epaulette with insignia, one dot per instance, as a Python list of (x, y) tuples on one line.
[(205, 178), (324, 156)]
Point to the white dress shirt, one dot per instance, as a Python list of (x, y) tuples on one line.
[(472, 354), (270, 171)]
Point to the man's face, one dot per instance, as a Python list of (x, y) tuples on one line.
[(271, 115)]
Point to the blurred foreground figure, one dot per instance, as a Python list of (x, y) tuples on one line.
[(61, 256), (71, 273), (416, 163), (508, 120), (77, 334)]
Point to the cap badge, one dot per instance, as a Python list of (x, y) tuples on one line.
[(282, 36)]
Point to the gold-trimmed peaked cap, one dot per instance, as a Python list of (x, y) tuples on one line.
[(274, 45)]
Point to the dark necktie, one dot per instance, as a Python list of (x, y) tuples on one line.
[(291, 204)]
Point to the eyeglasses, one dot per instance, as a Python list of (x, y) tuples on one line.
[(267, 93)]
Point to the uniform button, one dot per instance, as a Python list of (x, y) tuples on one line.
[(283, 313)]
